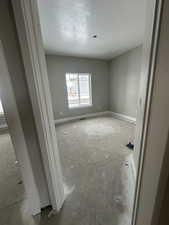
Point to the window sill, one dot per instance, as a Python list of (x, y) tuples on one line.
[(80, 107)]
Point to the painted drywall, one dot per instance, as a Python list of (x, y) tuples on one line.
[(164, 210), (124, 82), (125, 74), (9, 39), (58, 66), (156, 139), (161, 212)]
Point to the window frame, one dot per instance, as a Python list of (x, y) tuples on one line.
[(90, 90)]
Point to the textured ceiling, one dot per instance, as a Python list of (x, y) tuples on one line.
[(68, 26)]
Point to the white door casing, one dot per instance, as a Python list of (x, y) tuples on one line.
[(29, 33)]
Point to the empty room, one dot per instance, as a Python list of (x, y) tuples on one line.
[(93, 54), (84, 114)]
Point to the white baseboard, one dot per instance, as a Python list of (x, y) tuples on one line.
[(133, 167), (89, 115), (122, 117)]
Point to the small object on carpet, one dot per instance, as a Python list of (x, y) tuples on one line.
[(130, 146)]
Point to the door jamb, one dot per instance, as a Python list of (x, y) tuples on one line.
[(29, 34), (151, 41)]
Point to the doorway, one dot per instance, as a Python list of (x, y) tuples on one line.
[(143, 105), (95, 100)]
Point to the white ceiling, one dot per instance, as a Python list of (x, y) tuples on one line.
[(68, 26)]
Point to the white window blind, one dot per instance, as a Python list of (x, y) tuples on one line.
[(78, 89)]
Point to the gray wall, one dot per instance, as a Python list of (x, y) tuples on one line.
[(115, 83), (124, 82), (58, 66)]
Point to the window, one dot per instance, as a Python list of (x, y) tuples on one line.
[(78, 89), (1, 108)]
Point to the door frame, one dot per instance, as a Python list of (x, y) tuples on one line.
[(30, 39), (150, 48), (29, 32)]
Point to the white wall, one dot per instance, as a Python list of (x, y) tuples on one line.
[(124, 82)]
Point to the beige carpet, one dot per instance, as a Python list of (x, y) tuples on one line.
[(10, 189), (94, 156), (94, 159)]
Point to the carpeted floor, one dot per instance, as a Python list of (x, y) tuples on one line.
[(94, 159), (11, 191), (96, 170)]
